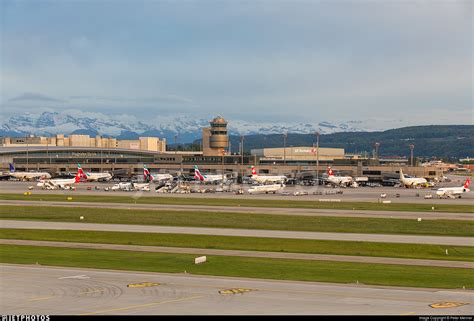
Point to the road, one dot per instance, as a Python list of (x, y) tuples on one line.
[(66, 291), (414, 239)]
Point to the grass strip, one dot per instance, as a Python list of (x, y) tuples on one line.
[(369, 206), (300, 270), (240, 220), (412, 251)]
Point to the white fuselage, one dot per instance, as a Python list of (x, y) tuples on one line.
[(446, 191), (122, 187), (30, 175), (412, 181), (161, 177), (269, 179), (340, 180), (131, 187), (94, 177), (266, 189), (57, 183), (212, 178)]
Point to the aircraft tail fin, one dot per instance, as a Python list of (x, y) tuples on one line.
[(147, 175), (12, 168), (466, 184), (197, 174), (330, 172), (254, 171), (80, 172)]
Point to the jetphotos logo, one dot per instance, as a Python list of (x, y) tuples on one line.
[(25, 318)]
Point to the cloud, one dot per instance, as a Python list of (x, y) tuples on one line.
[(34, 97), (141, 100), (262, 61)]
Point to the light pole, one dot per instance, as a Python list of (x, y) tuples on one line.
[(285, 135), (223, 155), (47, 150), (317, 157), (411, 153), (27, 161), (242, 155)]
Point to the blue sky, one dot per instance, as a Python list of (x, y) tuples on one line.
[(405, 61)]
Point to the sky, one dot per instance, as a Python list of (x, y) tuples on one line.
[(402, 62)]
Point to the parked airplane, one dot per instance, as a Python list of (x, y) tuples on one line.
[(267, 179), (412, 181), (339, 180), (453, 192), (131, 187), (207, 178), (149, 177), (93, 177), (59, 183), (273, 188), (122, 187), (27, 175)]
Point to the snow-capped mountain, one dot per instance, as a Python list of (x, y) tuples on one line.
[(186, 128)]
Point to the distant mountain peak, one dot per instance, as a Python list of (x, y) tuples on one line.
[(187, 128)]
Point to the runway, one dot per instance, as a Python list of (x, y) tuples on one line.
[(257, 254), (66, 291), (384, 238), (250, 210)]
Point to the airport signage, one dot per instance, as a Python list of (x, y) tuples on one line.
[(200, 260), (84, 154)]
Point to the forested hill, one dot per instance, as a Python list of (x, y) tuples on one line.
[(434, 140)]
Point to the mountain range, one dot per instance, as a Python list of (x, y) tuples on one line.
[(353, 136), (186, 128)]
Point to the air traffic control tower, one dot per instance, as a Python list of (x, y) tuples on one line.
[(215, 139)]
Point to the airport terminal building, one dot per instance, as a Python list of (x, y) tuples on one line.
[(60, 155)]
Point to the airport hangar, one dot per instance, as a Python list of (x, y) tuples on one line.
[(125, 158)]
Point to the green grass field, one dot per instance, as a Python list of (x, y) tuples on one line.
[(302, 270), (369, 206), (416, 251), (240, 220)]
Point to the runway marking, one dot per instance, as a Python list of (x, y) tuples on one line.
[(92, 291), (142, 285), (75, 277), (235, 291), (144, 305), (41, 298), (331, 293), (440, 305)]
